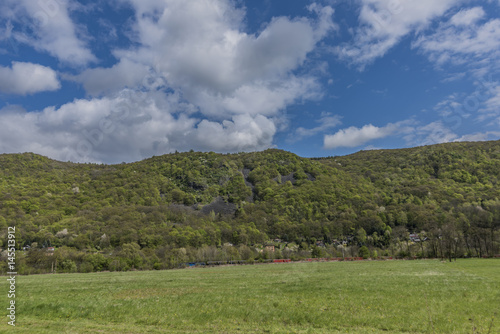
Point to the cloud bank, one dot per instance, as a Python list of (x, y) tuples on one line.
[(192, 78)]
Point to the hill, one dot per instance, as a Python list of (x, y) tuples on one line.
[(181, 207)]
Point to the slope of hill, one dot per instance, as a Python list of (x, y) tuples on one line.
[(144, 214)]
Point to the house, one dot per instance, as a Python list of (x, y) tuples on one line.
[(51, 249), (269, 248), (414, 237)]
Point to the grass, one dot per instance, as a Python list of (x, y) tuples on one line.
[(425, 296)]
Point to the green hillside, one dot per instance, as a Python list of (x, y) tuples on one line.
[(182, 207)]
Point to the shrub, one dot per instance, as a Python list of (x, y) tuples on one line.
[(86, 267), (364, 252), (68, 266)]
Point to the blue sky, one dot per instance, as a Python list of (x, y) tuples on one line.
[(123, 80)]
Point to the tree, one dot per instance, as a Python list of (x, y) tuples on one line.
[(316, 252), (364, 252), (132, 255), (361, 236), (451, 238)]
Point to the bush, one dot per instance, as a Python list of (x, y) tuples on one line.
[(86, 267), (68, 266), (98, 261), (402, 254), (119, 264), (316, 252), (364, 252)]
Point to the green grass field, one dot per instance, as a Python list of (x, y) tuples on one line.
[(425, 296)]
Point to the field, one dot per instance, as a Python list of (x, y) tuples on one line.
[(426, 296)]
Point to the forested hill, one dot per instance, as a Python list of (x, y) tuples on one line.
[(193, 200)]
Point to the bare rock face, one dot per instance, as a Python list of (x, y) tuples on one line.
[(218, 205), (62, 233)]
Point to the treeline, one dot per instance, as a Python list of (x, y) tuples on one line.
[(435, 201)]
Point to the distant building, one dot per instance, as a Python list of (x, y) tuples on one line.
[(269, 248), (320, 243), (414, 237)]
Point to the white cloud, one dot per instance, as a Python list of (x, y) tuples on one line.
[(386, 23), (463, 40), (327, 122), (242, 133), (491, 108), (50, 29), (454, 77), (372, 148), (440, 132), (27, 78), (468, 16), (100, 80), (192, 79), (481, 136), (433, 133), (127, 126), (453, 105), (493, 103), (261, 97), (220, 68), (353, 136)]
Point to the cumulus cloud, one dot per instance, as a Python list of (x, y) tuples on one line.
[(353, 136), (27, 78), (47, 26), (242, 133), (127, 126), (386, 23), (219, 67), (260, 97), (124, 74), (192, 78)]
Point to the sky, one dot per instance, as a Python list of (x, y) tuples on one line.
[(123, 80)]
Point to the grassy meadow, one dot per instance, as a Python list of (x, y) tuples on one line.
[(426, 296)]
